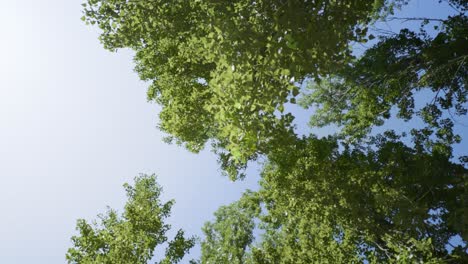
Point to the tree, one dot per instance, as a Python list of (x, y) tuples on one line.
[(225, 71), (390, 74), (133, 236), (390, 205)]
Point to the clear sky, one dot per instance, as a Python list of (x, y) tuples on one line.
[(74, 126)]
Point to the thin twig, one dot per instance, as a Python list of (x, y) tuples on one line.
[(415, 19)]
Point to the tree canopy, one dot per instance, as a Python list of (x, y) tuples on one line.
[(389, 75), (322, 205), (133, 236), (224, 73)]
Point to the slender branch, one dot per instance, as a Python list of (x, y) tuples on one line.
[(456, 120), (450, 244), (453, 7), (415, 19), (383, 31)]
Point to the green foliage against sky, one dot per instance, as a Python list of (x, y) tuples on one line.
[(227, 239), (389, 74), (223, 72), (322, 205), (133, 236)]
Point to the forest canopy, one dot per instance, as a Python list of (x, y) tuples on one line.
[(225, 73)]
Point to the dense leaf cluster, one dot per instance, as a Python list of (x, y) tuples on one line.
[(322, 205), (133, 236)]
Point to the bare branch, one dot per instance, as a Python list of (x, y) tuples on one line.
[(406, 19)]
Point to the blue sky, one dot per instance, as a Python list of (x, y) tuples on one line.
[(75, 125)]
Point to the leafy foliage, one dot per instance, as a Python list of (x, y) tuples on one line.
[(133, 236), (225, 71), (391, 73), (227, 238), (321, 205)]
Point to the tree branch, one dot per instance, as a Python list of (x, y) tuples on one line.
[(406, 19)]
